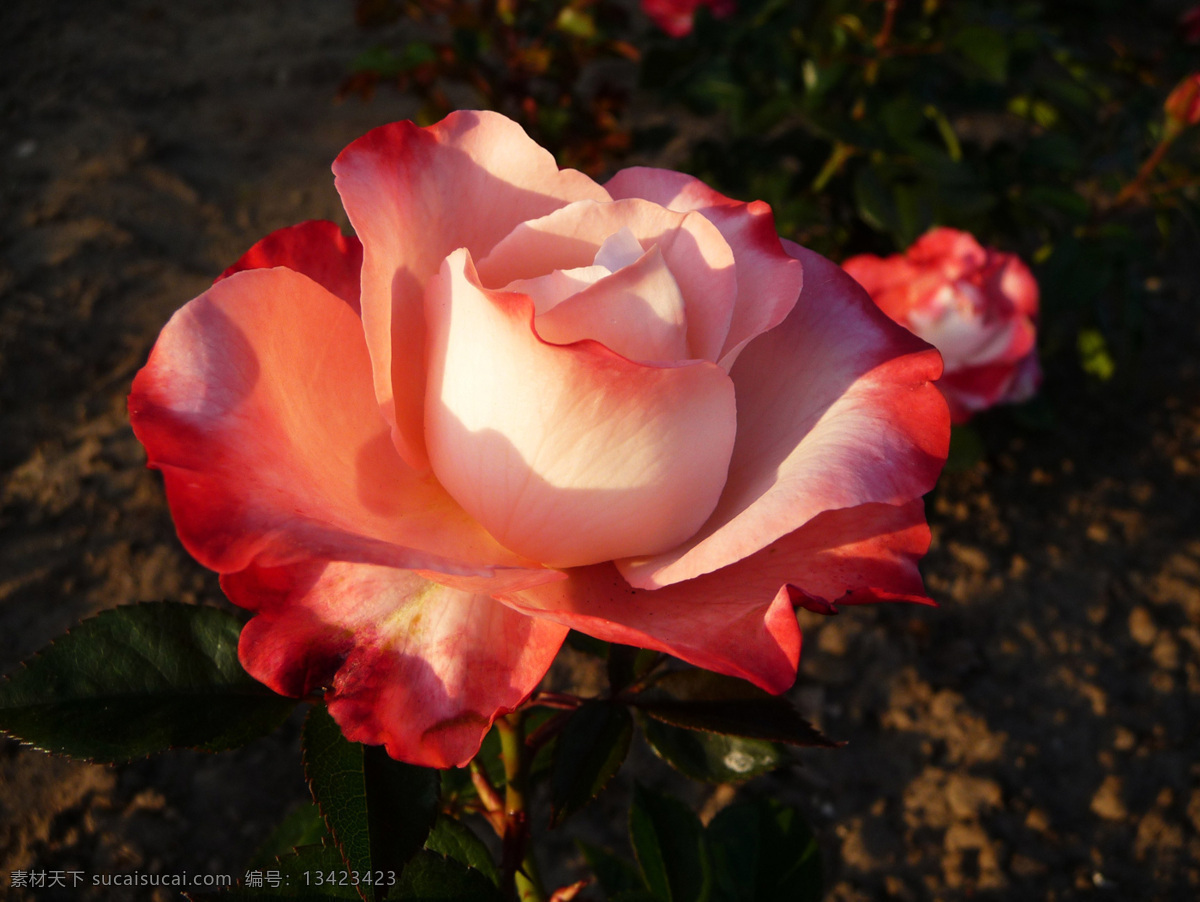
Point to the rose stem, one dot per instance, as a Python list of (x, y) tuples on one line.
[(519, 867)]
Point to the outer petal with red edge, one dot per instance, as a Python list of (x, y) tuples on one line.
[(836, 408), (739, 620), (568, 454), (257, 405), (317, 249), (405, 662), (416, 194), (768, 279)]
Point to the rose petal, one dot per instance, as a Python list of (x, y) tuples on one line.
[(637, 311), (720, 622), (257, 406), (1017, 284), (571, 454), (415, 194), (739, 620), (697, 256), (317, 249), (768, 279), (836, 408), (949, 251), (418, 667)]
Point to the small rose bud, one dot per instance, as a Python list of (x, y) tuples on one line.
[(1183, 104)]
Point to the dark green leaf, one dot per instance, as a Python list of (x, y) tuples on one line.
[(764, 851), (700, 700), (303, 826), (434, 878), (614, 874), (711, 757), (669, 843), (986, 48), (137, 680), (875, 204), (378, 810), (966, 449), (456, 781), (587, 644), (453, 838), (634, 895), (313, 873), (627, 664), (590, 749)]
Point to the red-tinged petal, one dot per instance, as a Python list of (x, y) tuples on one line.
[(859, 554), (739, 620), (836, 408), (732, 622), (317, 249), (695, 252), (1017, 283), (893, 283), (571, 454), (951, 252), (415, 194), (257, 406), (637, 311), (404, 662), (768, 279)]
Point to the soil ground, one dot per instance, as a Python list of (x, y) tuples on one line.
[(1036, 737)]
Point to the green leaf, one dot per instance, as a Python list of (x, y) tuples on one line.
[(874, 202), (303, 826), (966, 449), (669, 843), (627, 664), (456, 781), (453, 838), (137, 680), (589, 645), (986, 49), (764, 851), (312, 873), (614, 874), (433, 878), (700, 700), (379, 810), (590, 749), (1094, 355), (711, 757)]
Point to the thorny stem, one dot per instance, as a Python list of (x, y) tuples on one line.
[(518, 867), (1139, 180)]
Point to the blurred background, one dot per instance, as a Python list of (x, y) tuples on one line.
[(1037, 737)]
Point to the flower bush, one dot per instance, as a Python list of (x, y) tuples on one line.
[(520, 402), (677, 17), (977, 306)]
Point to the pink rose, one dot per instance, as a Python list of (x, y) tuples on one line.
[(975, 305), (676, 17), (524, 403)]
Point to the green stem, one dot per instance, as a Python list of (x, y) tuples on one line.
[(520, 871)]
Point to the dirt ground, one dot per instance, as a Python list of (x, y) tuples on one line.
[(1036, 737)]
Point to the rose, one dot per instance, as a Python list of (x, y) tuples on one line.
[(527, 403), (676, 17), (1189, 25), (1182, 105), (977, 306)]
